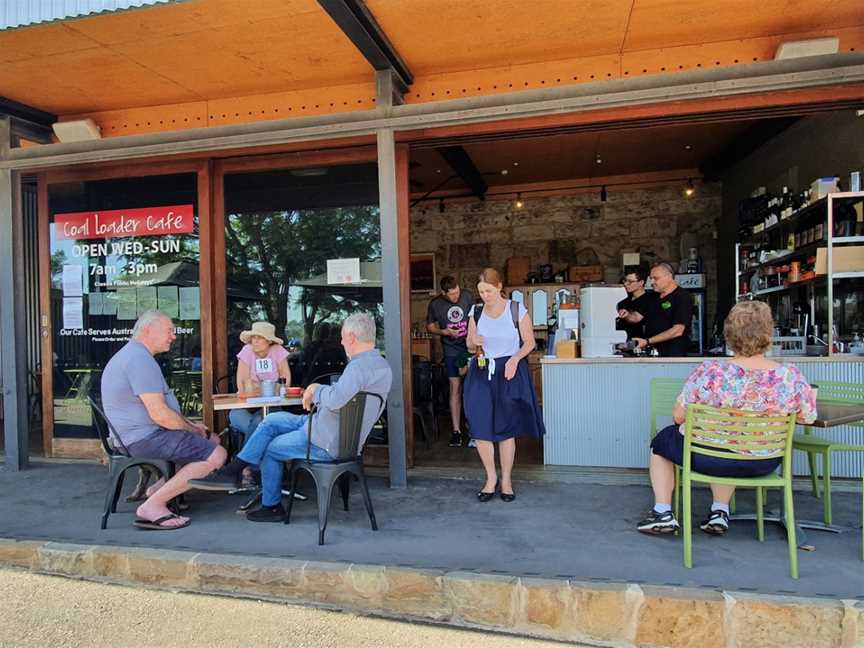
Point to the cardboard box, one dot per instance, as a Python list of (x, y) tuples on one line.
[(566, 349), (844, 259), (517, 270), (585, 274)]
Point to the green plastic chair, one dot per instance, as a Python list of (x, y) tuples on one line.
[(813, 444), (707, 432), (664, 393)]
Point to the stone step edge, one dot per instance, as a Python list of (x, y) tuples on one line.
[(609, 614)]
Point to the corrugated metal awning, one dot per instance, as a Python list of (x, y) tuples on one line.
[(20, 13)]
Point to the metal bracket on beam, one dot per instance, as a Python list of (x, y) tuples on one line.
[(359, 25), (459, 160), (25, 112), (389, 89)]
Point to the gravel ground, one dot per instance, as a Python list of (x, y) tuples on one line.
[(42, 611)]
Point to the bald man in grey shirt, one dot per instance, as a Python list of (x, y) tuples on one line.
[(147, 419)]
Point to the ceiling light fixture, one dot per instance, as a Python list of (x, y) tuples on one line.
[(515, 164), (689, 190), (519, 204), (504, 172), (78, 130), (312, 172), (604, 195), (598, 160)]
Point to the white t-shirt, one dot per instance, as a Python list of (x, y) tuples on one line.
[(501, 337)]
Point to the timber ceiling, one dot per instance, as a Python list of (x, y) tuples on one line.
[(214, 62), (567, 156)]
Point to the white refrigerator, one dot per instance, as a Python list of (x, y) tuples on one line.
[(599, 310)]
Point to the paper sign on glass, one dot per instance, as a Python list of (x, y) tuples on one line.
[(190, 305), (73, 285), (95, 302), (146, 299), (343, 271), (109, 303), (169, 300), (73, 312), (127, 304)]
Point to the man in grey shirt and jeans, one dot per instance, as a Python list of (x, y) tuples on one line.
[(282, 436), (146, 416)]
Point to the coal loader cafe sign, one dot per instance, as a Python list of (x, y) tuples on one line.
[(150, 221)]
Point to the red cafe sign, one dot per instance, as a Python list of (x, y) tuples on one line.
[(114, 223)]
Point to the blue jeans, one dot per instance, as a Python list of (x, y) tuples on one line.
[(245, 421), (280, 437)]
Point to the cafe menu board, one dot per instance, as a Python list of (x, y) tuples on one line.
[(120, 263)]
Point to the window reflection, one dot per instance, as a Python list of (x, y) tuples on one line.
[(281, 227)]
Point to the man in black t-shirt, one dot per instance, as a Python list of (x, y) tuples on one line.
[(447, 316), (667, 327), (633, 310)]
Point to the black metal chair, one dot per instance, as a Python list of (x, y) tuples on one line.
[(119, 461), (422, 387), (347, 464)]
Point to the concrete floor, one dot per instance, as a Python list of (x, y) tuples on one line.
[(582, 531)]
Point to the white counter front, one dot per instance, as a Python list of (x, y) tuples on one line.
[(597, 410)]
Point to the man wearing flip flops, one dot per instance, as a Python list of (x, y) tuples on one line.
[(147, 417)]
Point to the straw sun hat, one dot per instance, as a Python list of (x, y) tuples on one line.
[(263, 329)]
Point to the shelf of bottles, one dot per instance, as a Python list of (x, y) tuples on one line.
[(778, 241)]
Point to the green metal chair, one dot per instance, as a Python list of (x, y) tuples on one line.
[(813, 444), (708, 431)]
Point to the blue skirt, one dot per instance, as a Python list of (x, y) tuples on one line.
[(498, 409)]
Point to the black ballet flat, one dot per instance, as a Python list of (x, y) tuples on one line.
[(483, 496), (508, 497)]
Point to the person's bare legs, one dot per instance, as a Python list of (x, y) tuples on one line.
[(722, 493), (456, 403), (156, 505), (507, 455), (159, 483), (662, 472), (486, 450)]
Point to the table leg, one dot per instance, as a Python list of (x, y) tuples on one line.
[(778, 517)]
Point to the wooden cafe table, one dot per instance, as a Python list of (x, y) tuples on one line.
[(222, 402)]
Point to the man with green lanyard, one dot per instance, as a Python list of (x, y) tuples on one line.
[(667, 326)]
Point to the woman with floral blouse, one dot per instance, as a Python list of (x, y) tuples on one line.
[(748, 381)]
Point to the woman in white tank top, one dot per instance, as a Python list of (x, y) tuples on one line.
[(500, 403)]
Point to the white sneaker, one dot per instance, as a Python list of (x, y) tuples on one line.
[(471, 444)]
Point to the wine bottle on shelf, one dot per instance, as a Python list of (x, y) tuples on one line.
[(785, 204)]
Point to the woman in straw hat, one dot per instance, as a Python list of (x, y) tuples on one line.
[(262, 358)]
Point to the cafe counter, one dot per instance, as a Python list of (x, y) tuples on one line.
[(597, 410)]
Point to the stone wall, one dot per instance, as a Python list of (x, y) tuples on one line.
[(564, 609), (658, 222)]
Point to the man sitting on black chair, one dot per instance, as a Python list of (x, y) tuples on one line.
[(282, 436)]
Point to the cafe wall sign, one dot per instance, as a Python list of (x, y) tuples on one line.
[(116, 223)]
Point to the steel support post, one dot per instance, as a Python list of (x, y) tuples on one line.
[(392, 279), (16, 425)]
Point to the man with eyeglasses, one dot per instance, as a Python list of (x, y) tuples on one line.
[(667, 326), (639, 303)]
